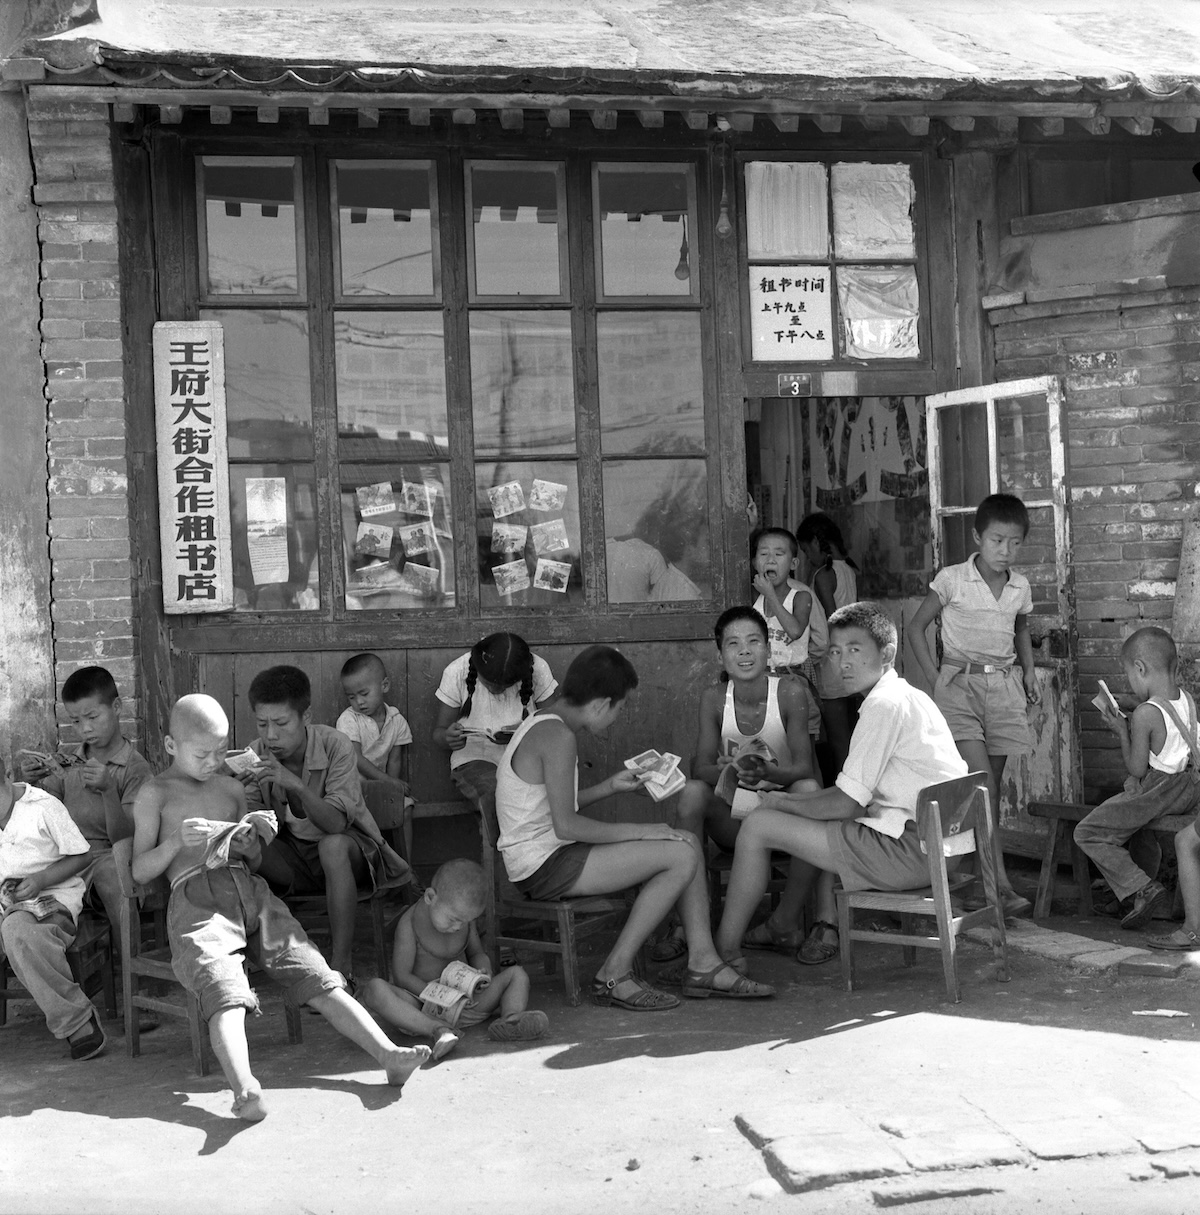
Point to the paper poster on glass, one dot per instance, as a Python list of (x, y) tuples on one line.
[(419, 579), (547, 495), (507, 499), (508, 537), (787, 211), (549, 537), (266, 529), (791, 316), (373, 540), (880, 307), (872, 211), (418, 498), (375, 499), (552, 575), (418, 539), (511, 577)]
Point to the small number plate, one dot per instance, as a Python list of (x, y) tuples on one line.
[(795, 386)]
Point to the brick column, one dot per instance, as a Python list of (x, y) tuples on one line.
[(93, 608)]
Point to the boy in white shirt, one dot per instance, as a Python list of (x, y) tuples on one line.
[(377, 729)]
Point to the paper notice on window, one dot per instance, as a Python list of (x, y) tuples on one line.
[(511, 577), (417, 539), (547, 496), (266, 529), (373, 540), (417, 498), (419, 579), (787, 209), (791, 317), (375, 499), (506, 499), (508, 537), (872, 210), (552, 575), (549, 537), (880, 306)]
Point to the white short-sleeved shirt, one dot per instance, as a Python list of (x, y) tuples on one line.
[(976, 626), (38, 833), (489, 712), (376, 743), (900, 745)]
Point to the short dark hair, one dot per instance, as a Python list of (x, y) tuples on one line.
[(360, 664), (1154, 646), (869, 617), (1001, 508), (90, 681), (460, 880), (733, 614), (281, 686), (782, 532), (598, 673)]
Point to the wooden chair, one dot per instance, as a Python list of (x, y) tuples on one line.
[(90, 958), (138, 963), (953, 819), (564, 922)]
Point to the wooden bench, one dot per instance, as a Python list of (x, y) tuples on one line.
[(1061, 818)]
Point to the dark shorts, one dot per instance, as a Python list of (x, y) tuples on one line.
[(303, 858), (867, 859), (556, 874)]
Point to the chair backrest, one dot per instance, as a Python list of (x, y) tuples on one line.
[(385, 802), (151, 894), (954, 811), (489, 825)]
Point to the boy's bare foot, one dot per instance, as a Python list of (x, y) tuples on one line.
[(445, 1041), (402, 1061), (249, 1106)]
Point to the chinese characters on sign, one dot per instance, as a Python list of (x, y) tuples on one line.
[(791, 319), (193, 474)]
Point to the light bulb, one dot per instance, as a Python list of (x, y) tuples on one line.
[(683, 271)]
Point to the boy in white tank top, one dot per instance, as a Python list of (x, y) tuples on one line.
[(1162, 777)]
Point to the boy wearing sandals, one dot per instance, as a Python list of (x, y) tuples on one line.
[(1162, 777), (750, 703), (438, 930), (551, 850), (864, 828)]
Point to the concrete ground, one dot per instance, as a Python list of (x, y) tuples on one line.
[(1043, 1092)]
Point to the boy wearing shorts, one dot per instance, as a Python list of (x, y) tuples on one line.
[(986, 681), (377, 729)]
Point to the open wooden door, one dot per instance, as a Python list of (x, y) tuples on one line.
[(1011, 438)]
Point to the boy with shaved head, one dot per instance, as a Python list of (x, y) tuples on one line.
[(1162, 777), (218, 911)]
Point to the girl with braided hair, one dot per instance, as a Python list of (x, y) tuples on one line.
[(484, 695)]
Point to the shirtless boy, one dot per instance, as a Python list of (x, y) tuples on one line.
[(216, 914)]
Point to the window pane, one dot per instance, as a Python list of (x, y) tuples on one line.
[(651, 382), (522, 382), (645, 218), (391, 385), (528, 534), (791, 314), (515, 225), (656, 530), (1023, 437), (250, 224), (1036, 561), (872, 211), (787, 210), (273, 511), (267, 387), (397, 536), (387, 227), (963, 438), (957, 542), (880, 308)]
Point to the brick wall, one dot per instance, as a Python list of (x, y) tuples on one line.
[(1130, 360), (92, 603)]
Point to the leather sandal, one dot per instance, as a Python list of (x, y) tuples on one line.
[(767, 936), (816, 950), (1179, 941), (699, 985), (648, 999)]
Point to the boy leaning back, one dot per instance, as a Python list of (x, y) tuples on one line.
[(987, 678), (215, 915)]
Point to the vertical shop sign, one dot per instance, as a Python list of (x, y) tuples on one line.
[(193, 470)]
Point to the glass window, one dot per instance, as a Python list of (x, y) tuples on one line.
[(522, 382), (880, 308), (397, 536), (273, 512), (518, 229), (966, 480), (656, 530), (527, 517), (1023, 445), (267, 383), (651, 382), (646, 220), (391, 385), (387, 227), (248, 207), (872, 211)]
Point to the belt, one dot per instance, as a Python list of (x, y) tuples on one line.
[(980, 668)]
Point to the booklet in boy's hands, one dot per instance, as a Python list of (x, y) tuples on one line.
[(746, 764), (239, 762), (659, 774), (1106, 702), (40, 908), (446, 997)]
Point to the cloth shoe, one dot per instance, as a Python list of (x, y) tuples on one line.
[(1152, 901), (92, 1045)]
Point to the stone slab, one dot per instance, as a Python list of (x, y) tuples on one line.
[(814, 1162), (1070, 1139), (922, 1191), (1169, 1137), (1106, 959), (960, 1148), (1154, 965), (1177, 1164), (764, 1126)]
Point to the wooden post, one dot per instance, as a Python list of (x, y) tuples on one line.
[(1185, 616)]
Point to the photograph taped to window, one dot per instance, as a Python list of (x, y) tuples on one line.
[(272, 511)]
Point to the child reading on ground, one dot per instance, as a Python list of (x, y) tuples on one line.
[(378, 731), (308, 774), (433, 933), (216, 914), (1162, 779), (864, 828), (483, 695), (551, 850), (987, 680), (42, 854), (750, 704)]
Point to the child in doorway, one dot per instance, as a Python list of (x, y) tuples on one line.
[(216, 914), (377, 729), (751, 703), (834, 583), (483, 696), (434, 932), (987, 679), (42, 854), (1162, 778)]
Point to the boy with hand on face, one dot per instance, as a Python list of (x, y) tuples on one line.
[(377, 729)]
